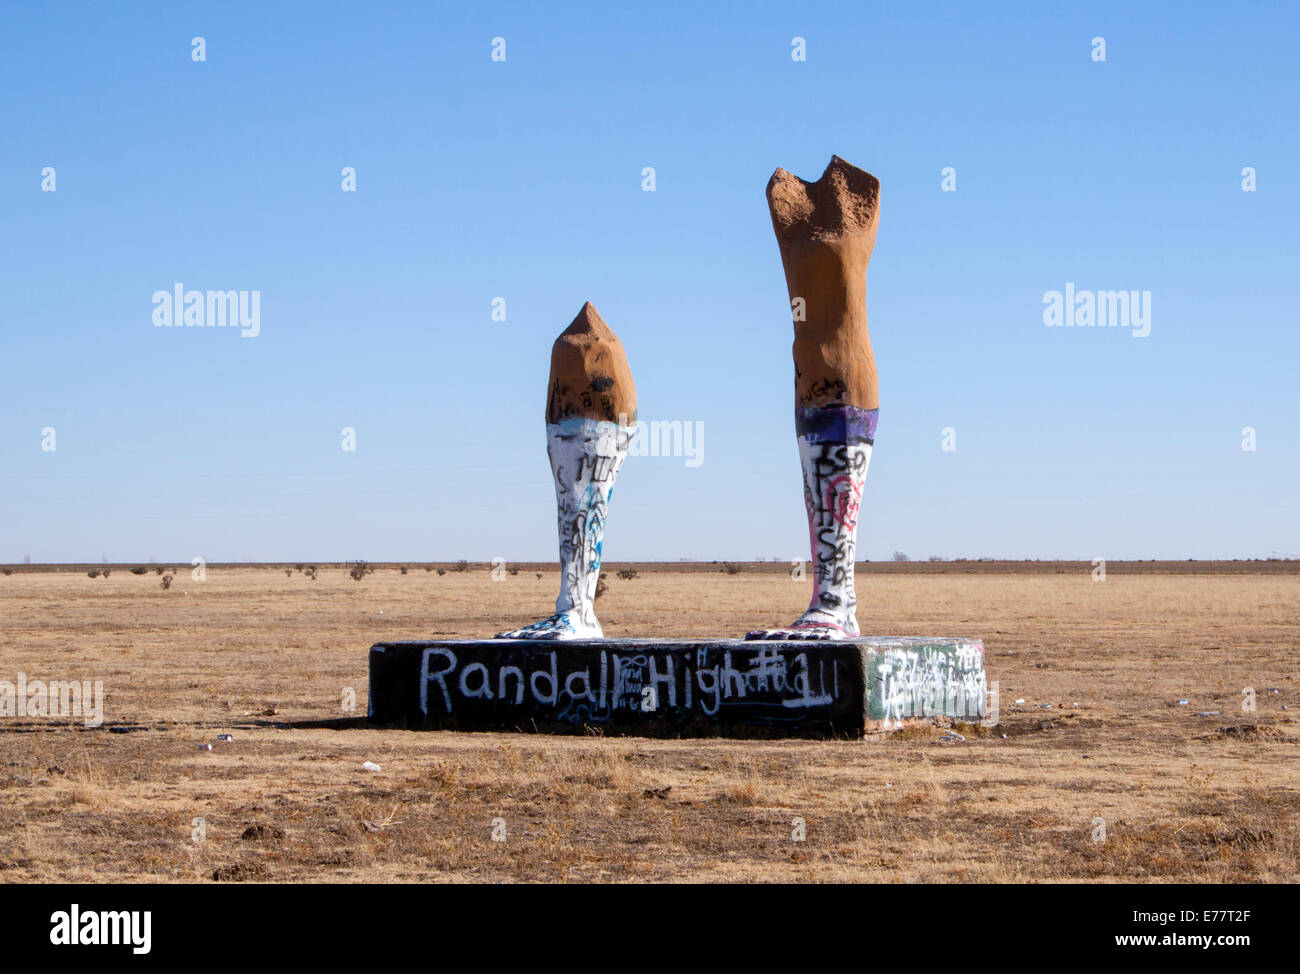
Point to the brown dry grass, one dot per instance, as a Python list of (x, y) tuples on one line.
[(1184, 798)]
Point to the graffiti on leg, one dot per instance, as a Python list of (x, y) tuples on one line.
[(833, 478), (585, 458)]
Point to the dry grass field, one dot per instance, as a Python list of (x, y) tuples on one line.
[(266, 657)]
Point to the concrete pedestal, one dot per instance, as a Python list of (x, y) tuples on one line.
[(688, 687)]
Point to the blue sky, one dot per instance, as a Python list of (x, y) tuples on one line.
[(522, 179)]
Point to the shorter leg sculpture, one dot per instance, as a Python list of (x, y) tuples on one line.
[(590, 387)]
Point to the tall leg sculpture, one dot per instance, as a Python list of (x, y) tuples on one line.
[(590, 418), (826, 232)]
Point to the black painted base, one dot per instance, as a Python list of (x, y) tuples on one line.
[(688, 687)]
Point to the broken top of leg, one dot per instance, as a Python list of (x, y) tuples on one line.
[(843, 203), (590, 377), (826, 231)]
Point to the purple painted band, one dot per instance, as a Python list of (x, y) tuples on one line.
[(836, 424)]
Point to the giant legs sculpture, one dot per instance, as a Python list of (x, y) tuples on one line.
[(826, 231), (590, 416), (850, 684)]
